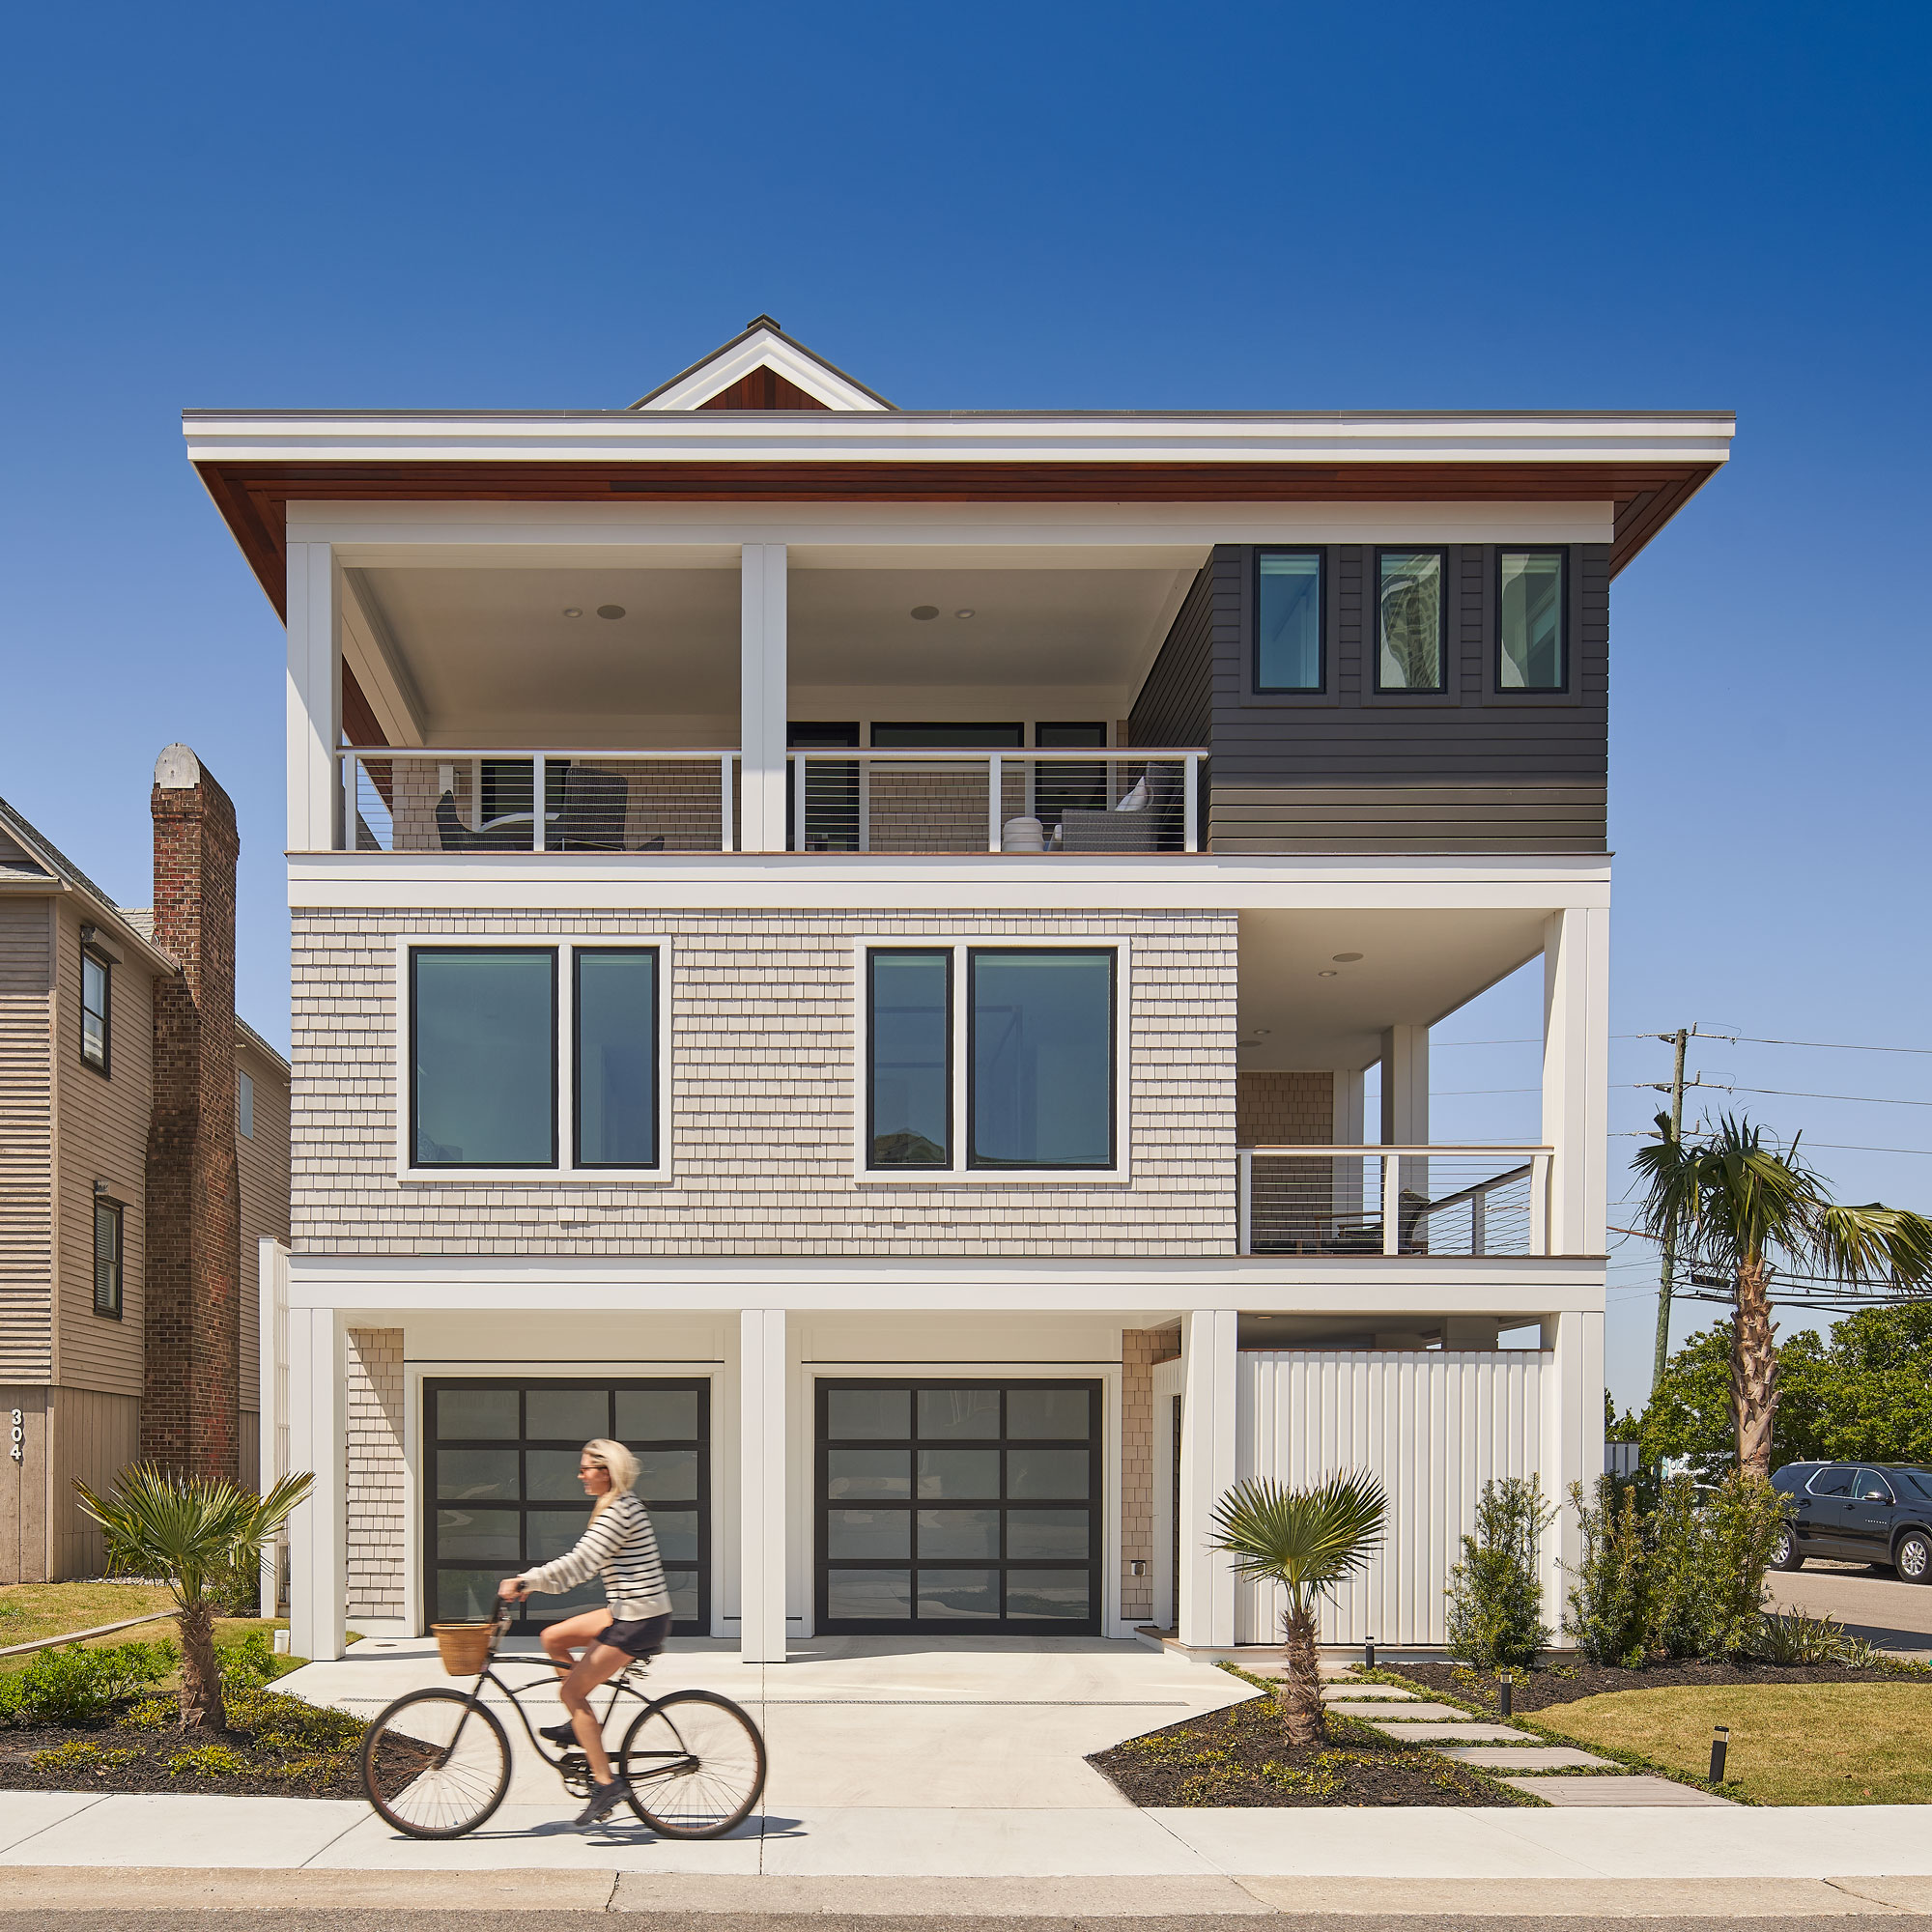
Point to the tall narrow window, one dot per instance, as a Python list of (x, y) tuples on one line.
[(616, 1057), (1532, 600), (1409, 614), (107, 1257), (1287, 620), (483, 1048), (245, 1106), (1041, 1051), (910, 1075), (96, 1004)]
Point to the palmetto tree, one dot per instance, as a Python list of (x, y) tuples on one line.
[(1306, 1541), (1737, 1206), (196, 1532)]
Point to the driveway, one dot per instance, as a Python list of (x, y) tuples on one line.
[(1873, 1605)]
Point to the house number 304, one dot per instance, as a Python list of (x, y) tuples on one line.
[(19, 1435)]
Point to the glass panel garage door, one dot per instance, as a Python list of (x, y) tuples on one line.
[(959, 1506), (501, 1492)]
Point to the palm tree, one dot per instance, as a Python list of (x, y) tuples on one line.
[(1306, 1541), (196, 1532), (1735, 1207)]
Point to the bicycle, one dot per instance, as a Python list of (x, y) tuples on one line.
[(436, 1763)]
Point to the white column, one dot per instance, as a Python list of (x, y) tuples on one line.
[(271, 1389), (1575, 1075), (1573, 1443), (762, 689), (1205, 1589), (318, 1433), (1406, 1084), (761, 1480), (314, 697), (1351, 1128)]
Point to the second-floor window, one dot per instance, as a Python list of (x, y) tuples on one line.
[(488, 1087), (1287, 627), (1411, 619), (95, 1009), (1531, 618), (107, 1257), (245, 1106)]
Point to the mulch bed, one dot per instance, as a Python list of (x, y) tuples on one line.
[(1565, 1683), (1240, 1757)]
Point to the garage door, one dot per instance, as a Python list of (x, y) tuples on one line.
[(501, 1489), (959, 1506)]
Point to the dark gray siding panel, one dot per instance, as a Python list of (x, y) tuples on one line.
[(1174, 706)]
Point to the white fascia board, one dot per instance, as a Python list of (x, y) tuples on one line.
[(762, 351), (486, 882), (886, 436)]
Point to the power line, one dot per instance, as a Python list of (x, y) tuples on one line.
[(1823, 1046)]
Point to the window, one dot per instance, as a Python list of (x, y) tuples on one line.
[(1287, 620), (1913, 1482), (1835, 1480), (1409, 613), (483, 1045), (617, 1085), (1531, 618), (948, 737), (1080, 785), (1040, 1059), (1872, 1487), (107, 1257), (507, 787), (95, 1005), (909, 1050), (245, 1106)]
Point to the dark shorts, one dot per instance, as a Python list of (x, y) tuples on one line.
[(643, 1638)]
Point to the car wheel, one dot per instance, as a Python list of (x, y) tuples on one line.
[(1913, 1557), (1787, 1556)]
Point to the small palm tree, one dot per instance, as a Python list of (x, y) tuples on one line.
[(1734, 1205), (1306, 1541), (196, 1532)]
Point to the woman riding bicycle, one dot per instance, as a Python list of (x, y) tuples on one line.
[(621, 1544)]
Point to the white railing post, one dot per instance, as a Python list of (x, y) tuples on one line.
[(798, 801), (539, 800), (347, 841), (1539, 1204), (1391, 1204), (1191, 805), (727, 835), (1479, 1221), (1245, 1158), (993, 803)]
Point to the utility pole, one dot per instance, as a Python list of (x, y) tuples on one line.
[(1679, 1039)]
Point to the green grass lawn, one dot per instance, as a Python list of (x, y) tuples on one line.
[(32, 1610), (1791, 1744)]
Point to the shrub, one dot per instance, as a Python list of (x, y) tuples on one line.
[(1800, 1639), (72, 1686), (289, 1724), (1741, 1524), (206, 1761), (73, 1755), (1676, 1569), (252, 1663), (1495, 1593), (1609, 1603), (151, 1714)]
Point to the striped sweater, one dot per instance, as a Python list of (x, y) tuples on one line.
[(621, 1544)]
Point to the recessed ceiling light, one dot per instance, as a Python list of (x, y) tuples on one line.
[(1345, 958), (962, 614), (609, 609), (925, 613), (1260, 1033), (573, 611), (1327, 973)]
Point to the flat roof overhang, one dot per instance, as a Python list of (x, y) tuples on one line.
[(1649, 464)]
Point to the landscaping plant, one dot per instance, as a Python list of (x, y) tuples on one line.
[(1495, 1593), (1610, 1613), (193, 1531), (1741, 1524), (1305, 1542), (77, 1686)]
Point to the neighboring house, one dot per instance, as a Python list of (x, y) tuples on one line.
[(144, 1157), (842, 945)]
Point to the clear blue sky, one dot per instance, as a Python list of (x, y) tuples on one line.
[(1270, 207)]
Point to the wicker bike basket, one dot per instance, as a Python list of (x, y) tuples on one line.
[(466, 1647)]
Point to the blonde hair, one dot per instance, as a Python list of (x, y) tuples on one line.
[(622, 1466)]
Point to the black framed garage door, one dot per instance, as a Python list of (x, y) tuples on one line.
[(957, 1505), (501, 1490)]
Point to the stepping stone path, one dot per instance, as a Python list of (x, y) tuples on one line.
[(1506, 1757), (1630, 1790)]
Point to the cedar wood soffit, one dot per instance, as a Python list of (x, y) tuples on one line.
[(255, 463)]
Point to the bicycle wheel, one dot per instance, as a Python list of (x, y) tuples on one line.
[(696, 1763), (436, 1764)]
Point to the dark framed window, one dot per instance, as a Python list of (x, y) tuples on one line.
[(1040, 1057), (1078, 786), (245, 1106), (501, 1490), (614, 1017), (1532, 620), (960, 1505), (909, 1058), (508, 784), (830, 790), (483, 1056), (1290, 599), (97, 1011), (1411, 619), (944, 737), (107, 1238)]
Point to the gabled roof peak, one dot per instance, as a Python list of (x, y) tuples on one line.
[(762, 368)]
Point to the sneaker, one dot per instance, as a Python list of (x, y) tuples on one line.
[(559, 1734), (604, 1799)]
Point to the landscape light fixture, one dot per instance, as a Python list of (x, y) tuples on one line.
[(1721, 1744), (1505, 1685)]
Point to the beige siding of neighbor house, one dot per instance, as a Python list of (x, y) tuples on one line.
[(96, 1435), (263, 1162), (26, 1141)]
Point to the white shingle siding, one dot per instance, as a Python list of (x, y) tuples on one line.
[(760, 1044), (377, 1475)]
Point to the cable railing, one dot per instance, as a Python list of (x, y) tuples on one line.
[(1444, 1201)]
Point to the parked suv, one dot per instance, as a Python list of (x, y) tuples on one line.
[(1866, 1512)]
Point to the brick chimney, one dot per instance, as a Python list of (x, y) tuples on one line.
[(191, 1407)]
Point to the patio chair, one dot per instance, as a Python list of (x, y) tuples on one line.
[(594, 805), (1148, 827), (455, 837)]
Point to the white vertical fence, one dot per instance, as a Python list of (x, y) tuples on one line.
[(271, 1332), (1432, 1425)]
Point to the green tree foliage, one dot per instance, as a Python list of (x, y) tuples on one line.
[(1495, 1592)]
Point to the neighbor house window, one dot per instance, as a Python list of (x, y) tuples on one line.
[(107, 1257), (1287, 620), (1409, 619), (1531, 604), (95, 1002), (1039, 1058), (245, 1106), (616, 1083), (483, 1049), (909, 1050)]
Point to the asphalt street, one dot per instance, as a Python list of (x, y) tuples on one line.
[(1873, 1604), (162, 1918)]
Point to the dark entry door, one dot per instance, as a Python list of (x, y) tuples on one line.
[(959, 1506), (501, 1490)]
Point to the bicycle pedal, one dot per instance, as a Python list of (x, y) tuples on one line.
[(573, 1767)]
